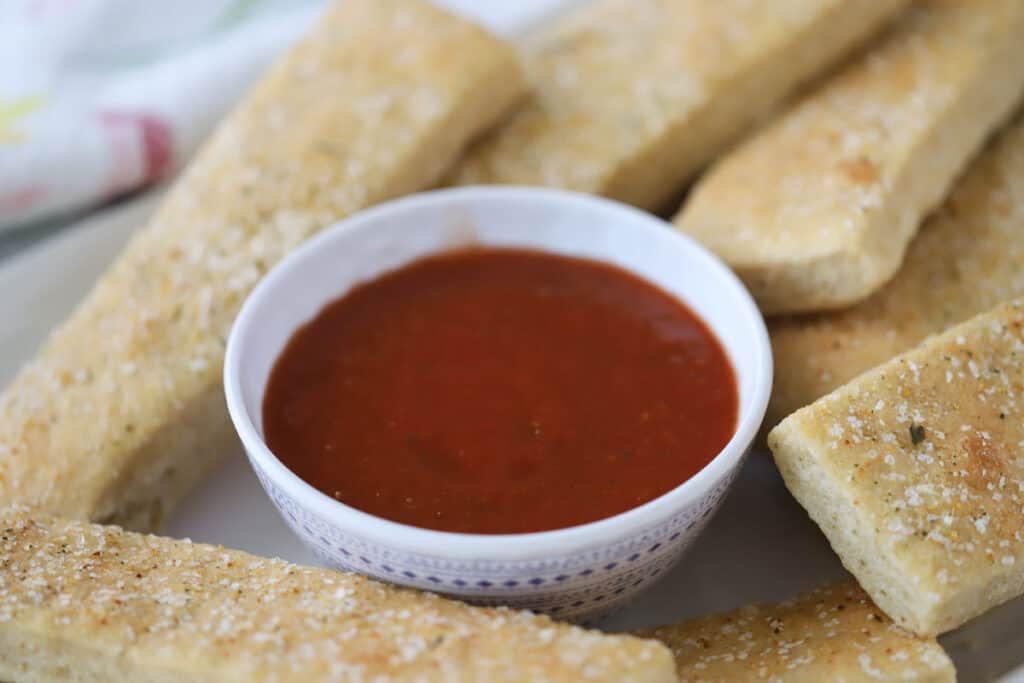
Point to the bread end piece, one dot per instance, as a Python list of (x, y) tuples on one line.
[(834, 508), (816, 211), (974, 238), (832, 633), (914, 472)]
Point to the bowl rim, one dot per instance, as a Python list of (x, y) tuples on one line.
[(502, 547)]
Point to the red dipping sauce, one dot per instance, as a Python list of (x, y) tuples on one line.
[(500, 391)]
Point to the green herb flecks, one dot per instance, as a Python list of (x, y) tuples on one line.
[(916, 433)]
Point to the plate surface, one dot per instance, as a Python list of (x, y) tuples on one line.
[(760, 547)]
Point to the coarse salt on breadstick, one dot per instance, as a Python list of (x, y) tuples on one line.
[(915, 472), (632, 97), (123, 409), (816, 211), (118, 607), (968, 257), (833, 633)]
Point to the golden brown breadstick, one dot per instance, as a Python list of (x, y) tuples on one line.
[(914, 472), (632, 97), (967, 258), (118, 607), (816, 211), (831, 634), (123, 410)]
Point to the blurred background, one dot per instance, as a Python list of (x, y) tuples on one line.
[(100, 99)]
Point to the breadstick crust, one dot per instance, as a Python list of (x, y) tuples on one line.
[(103, 605), (633, 97), (815, 212), (967, 259), (122, 411), (834, 633), (914, 472)]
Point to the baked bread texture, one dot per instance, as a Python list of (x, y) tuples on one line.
[(834, 633), (968, 257), (95, 604), (633, 97), (914, 472), (123, 410), (815, 212)]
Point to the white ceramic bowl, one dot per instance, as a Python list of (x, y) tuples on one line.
[(574, 573)]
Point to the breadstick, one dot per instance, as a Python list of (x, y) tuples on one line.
[(830, 634), (915, 473), (967, 258), (816, 211), (634, 96), (123, 409), (118, 607)]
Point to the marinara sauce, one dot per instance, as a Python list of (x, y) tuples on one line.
[(500, 391)]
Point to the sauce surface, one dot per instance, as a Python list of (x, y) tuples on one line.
[(500, 391)]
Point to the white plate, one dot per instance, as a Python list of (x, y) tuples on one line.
[(760, 547)]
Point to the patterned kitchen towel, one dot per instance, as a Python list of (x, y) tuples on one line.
[(98, 97)]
